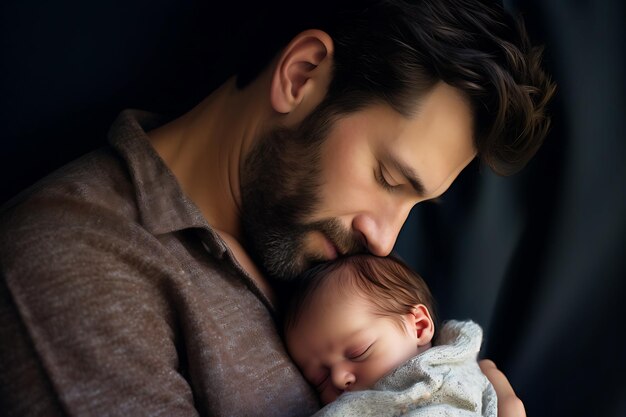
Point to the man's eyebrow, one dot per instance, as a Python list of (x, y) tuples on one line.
[(407, 172)]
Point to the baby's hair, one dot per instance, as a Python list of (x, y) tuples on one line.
[(388, 283)]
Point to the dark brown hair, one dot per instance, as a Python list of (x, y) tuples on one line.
[(388, 283), (394, 51)]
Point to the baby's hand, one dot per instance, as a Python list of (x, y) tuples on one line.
[(509, 405)]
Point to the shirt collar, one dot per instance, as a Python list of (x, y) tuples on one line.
[(163, 206)]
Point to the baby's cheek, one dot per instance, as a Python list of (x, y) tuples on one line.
[(374, 371), (317, 378)]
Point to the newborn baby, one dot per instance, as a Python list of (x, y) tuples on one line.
[(361, 330)]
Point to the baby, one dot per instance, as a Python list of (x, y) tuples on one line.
[(361, 329)]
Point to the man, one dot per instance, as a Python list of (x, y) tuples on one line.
[(139, 279)]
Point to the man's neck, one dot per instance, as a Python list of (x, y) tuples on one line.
[(205, 148)]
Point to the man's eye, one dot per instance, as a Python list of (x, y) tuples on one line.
[(380, 176)]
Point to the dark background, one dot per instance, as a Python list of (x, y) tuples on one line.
[(538, 259)]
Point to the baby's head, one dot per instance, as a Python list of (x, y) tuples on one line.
[(352, 321)]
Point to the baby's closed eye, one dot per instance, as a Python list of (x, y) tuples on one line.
[(360, 354)]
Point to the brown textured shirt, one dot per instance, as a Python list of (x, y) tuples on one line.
[(118, 299)]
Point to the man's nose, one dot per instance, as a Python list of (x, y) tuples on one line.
[(380, 232), (342, 377)]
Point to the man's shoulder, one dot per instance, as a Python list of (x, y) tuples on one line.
[(90, 185), (90, 201)]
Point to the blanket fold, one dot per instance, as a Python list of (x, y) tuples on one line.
[(445, 380)]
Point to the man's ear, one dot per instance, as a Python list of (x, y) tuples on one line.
[(303, 65), (422, 324)]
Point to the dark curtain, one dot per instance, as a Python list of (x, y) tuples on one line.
[(538, 259)]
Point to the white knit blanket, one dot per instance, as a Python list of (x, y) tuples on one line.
[(445, 380)]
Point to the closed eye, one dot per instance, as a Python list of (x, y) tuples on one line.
[(360, 355), (380, 177)]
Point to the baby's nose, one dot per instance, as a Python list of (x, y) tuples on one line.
[(342, 378)]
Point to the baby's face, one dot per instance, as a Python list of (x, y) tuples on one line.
[(340, 345)]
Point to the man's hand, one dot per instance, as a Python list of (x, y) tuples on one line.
[(509, 405)]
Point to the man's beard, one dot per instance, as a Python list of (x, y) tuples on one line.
[(280, 190)]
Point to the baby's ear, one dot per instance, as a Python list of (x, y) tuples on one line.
[(422, 324)]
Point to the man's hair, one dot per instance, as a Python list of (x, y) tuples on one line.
[(395, 51), (391, 286)]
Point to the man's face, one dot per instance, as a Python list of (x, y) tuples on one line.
[(327, 189), (341, 344)]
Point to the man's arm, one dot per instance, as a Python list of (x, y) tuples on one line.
[(509, 405), (92, 321)]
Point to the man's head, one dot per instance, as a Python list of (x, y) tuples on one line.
[(439, 82), (352, 321)]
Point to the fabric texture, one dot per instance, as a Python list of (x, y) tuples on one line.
[(445, 380), (118, 299)]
